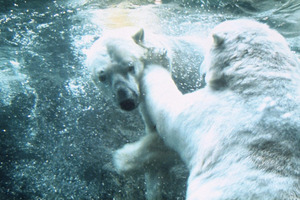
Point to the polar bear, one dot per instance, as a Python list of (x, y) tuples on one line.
[(116, 62), (240, 135)]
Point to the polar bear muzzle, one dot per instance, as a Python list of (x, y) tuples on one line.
[(126, 98)]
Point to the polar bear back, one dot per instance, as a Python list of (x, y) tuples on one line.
[(240, 135)]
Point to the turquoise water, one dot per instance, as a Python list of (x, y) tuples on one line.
[(57, 130)]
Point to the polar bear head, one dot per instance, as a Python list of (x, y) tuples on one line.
[(241, 50), (115, 61)]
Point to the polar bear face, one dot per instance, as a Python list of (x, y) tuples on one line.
[(116, 64)]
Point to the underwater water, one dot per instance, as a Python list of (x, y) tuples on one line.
[(57, 130)]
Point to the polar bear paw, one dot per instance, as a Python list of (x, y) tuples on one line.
[(126, 159), (137, 155)]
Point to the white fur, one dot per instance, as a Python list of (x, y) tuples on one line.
[(240, 135), (110, 60)]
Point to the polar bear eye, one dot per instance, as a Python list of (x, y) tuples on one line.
[(131, 68), (102, 76)]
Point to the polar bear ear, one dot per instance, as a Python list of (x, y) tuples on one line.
[(218, 40), (139, 36)]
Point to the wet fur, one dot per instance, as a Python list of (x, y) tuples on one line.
[(117, 64), (240, 135)]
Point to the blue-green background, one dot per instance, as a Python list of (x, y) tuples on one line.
[(57, 131)]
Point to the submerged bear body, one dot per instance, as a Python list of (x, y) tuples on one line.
[(240, 135)]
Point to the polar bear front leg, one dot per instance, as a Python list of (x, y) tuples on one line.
[(148, 152), (154, 184), (133, 156), (162, 98), (148, 155)]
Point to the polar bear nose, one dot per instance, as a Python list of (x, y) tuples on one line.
[(127, 99), (128, 105)]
